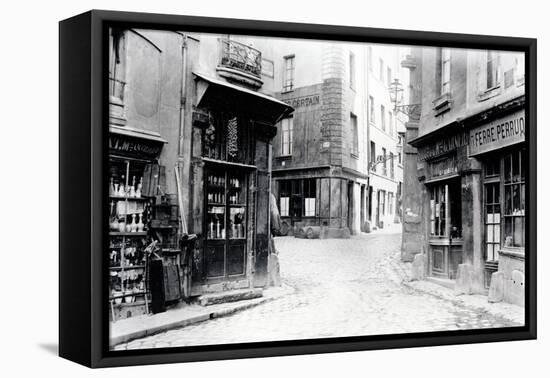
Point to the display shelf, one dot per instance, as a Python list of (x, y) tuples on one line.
[(136, 199), (112, 233), (130, 267)]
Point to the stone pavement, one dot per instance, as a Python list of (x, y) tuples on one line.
[(343, 287)]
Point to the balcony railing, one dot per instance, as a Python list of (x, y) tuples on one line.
[(241, 57)]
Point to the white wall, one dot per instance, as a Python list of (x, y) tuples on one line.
[(29, 156)]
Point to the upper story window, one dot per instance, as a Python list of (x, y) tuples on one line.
[(493, 71), (444, 71), (392, 166), (352, 70), (381, 69), (389, 76), (390, 122), (383, 117), (373, 155), (288, 74), (354, 135), (369, 57), (371, 110), (287, 126), (384, 162), (117, 64)]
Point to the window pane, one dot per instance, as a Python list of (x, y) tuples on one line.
[(518, 231)]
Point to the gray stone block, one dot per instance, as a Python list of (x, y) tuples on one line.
[(496, 290), (418, 270), (464, 279)]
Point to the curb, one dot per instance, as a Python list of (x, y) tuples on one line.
[(120, 339)]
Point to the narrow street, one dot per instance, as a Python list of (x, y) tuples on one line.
[(344, 287)]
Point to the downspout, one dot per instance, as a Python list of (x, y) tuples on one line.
[(181, 137)]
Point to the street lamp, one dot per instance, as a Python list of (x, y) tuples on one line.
[(396, 96)]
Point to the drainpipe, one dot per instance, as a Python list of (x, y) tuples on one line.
[(181, 137)]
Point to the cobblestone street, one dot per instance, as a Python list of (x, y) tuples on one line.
[(343, 287)]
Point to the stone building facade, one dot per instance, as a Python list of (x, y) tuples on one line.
[(198, 107), (322, 154), (468, 151)]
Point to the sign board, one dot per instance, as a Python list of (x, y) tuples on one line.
[(443, 146), (134, 147), (497, 134)]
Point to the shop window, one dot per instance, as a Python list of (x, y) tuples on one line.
[(446, 210), (310, 195), (228, 137), (284, 198), (493, 72), (354, 135), (382, 203), (287, 135), (492, 221), (514, 199), (288, 74)]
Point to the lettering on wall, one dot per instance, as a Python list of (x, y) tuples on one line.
[(299, 102), (497, 134), (443, 146), (128, 146)]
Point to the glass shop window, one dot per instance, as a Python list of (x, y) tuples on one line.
[(492, 221), (310, 195), (446, 210), (284, 197), (117, 63), (514, 199)]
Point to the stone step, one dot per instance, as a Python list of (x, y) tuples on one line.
[(229, 296), (442, 281)]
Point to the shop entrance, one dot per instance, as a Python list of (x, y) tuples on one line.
[(445, 228), (226, 223)]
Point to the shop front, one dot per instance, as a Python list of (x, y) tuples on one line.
[(443, 178), (500, 146), (134, 175), (230, 178)]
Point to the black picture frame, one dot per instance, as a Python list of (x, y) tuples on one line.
[(83, 324)]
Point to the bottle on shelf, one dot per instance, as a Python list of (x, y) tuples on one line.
[(111, 187), (122, 188), (139, 186), (218, 234), (132, 191), (133, 225), (211, 230), (113, 222), (128, 227), (140, 225), (121, 225)]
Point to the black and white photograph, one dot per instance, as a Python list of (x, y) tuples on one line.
[(268, 189)]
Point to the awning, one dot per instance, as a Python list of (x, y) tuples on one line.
[(127, 131), (220, 93)]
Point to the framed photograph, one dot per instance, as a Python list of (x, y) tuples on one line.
[(235, 188)]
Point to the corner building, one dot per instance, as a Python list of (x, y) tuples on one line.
[(342, 124), (471, 163)]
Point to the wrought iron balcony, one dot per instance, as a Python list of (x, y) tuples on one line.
[(241, 57)]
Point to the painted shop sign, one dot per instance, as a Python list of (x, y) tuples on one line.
[(134, 147), (497, 134), (303, 101), (443, 146)]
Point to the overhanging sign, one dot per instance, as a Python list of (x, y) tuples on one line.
[(497, 134)]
